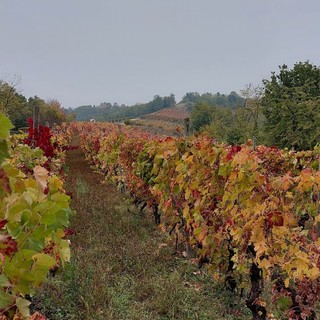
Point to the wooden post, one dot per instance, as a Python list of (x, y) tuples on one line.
[(187, 126), (36, 122), (36, 117)]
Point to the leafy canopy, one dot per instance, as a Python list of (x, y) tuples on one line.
[(291, 105)]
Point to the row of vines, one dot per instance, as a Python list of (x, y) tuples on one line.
[(34, 214), (251, 214)]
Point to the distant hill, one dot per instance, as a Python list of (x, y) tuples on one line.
[(107, 112), (164, 107)]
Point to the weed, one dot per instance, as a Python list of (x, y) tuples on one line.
[(81, 186)]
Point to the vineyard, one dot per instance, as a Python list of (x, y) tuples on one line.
[(248, 215), (177, 113)]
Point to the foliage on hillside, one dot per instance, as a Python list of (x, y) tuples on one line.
[(108, 112)]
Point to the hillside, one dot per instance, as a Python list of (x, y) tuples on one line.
[(164, 108), (176, 114), (108, 112)]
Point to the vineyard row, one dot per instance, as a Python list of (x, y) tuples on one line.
[(251, 214)]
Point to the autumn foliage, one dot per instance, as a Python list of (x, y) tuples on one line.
[(251, 214), (34, 210)]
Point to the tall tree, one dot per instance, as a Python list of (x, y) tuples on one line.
[(291, 105), (202, 115), (251, 111), (12, 103)]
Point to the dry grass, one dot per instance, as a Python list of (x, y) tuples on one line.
[(121, 267)]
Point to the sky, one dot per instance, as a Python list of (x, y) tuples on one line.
[(83, 52)]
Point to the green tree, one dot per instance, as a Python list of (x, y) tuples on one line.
[(13, 104), (192, 97), (291, 105), (232, 125), (54, 112), (250, 114), (202, 115)]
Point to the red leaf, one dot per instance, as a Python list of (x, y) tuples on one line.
[(235, 149), (7, 245), (3, 223), (275, 218)]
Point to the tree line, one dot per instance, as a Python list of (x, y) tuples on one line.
[(284, 112), (18, 108), (109, 112)]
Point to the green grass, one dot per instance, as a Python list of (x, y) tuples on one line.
[(81, 187), (122, 267)]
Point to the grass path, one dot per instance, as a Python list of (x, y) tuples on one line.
[(121, 266)]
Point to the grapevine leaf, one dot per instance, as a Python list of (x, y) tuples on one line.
[(6, 299), (61, 199), (55, 184), (5, 126), (4, 281), (3, 151), (42, 264), (284, 303), (64, 251), (23, 306), (41, 176)]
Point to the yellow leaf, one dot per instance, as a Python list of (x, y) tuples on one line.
[(64, 251), (187, 194), (286, 282), (55, 184), (313, 273), (189, 159), (185, 212), (265, 264)]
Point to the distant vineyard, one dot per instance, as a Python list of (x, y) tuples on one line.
[(251, 214), (169, 114)]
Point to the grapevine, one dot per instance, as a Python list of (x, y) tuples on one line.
[(252, 214), (34, 211)]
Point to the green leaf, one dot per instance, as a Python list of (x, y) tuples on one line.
[(284, 303), (36, 241), (41, 266), (61, 199), (6, 299), (4, 281), (3, 150), (23, 306), (5, 126), (176, 190), (49, 216), (43, 260)]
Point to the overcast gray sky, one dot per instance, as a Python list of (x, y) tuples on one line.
[(86, 52)]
